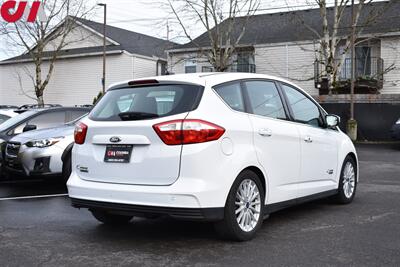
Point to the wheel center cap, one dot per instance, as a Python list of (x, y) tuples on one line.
[(247, 205)]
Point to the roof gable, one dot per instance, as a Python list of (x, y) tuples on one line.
[(89, 39), (133, 42)]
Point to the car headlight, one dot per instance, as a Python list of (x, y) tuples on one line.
[(397, 122), (44, 142)]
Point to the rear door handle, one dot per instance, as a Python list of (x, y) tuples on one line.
[(265, 132), (308, 139)]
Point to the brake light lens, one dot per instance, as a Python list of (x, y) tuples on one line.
[(80, 133), (142, 82), (182, 132)]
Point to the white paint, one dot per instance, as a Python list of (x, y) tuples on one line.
[(201, 175)]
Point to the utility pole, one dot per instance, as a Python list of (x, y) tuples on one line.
[(352, 123), (103, 80), (167, 30)]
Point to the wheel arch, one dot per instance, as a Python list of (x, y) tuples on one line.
[(67, 152), (261, 175)]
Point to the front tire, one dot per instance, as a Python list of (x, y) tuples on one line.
[(244, 208), (347, 182), (109, 218)]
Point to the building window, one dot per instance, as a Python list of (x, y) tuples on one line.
[(190, 66), (207, 69), (164, 70), (245, 62)]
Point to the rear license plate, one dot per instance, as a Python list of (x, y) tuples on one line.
[(118, 153)]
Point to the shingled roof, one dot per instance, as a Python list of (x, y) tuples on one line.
[(295, 26), (132, 42)]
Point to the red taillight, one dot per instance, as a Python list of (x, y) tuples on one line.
[(142, 82), (189, 131), (80, 133)]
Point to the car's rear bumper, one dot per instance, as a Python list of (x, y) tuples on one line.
[(198, 214), (188, 198)]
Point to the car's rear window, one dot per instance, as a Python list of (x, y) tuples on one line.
[(139, 103)]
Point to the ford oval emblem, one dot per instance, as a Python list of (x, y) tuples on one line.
[(115, 139)]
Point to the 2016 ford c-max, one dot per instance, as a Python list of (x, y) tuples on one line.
[(224, 147)]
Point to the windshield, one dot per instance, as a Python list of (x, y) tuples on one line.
[(76, 120), (147, 102), (16, 120)]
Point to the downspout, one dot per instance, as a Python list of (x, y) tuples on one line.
[(158, 64)]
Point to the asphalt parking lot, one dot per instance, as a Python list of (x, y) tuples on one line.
[(38, 227)]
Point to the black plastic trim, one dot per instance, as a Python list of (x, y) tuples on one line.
[(67, 151), (197, 214), (270, 208)]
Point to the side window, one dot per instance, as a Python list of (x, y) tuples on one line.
[(304, 110), (265, 99), (19, 129), (232, 95), (48, 120)]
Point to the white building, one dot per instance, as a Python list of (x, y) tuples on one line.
[(78, 71), (286, 44)]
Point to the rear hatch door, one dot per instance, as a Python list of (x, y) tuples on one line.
[(121, 145)]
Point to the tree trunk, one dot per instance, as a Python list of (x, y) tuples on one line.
[(40, 101)]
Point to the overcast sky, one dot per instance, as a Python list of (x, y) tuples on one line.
[(150, 17)]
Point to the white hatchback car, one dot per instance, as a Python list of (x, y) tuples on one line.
[(224, 147)]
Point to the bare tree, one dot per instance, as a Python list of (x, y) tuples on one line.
[(224, 22), (334, 34), (44, 40)]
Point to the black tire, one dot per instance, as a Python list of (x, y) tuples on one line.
[(342, 197), (66, 168), (229, 227), (109, 218)]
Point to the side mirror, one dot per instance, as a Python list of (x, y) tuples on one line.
[(29, 127), (332, 121)]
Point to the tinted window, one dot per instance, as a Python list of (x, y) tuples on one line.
[(304, 110), (265, 99), (232, 95), (16, 120), (156, 101), (48, 120), (43, 121)]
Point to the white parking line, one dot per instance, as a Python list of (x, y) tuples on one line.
[(33, 197)]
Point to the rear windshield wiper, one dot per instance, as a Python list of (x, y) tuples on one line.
[(133, 116)]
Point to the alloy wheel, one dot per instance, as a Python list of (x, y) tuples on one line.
[(349, 180), (248, 205)]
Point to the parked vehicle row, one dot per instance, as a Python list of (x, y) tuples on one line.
[(221, 147), (33, 142)]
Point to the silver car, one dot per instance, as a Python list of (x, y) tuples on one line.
[(41, 153)]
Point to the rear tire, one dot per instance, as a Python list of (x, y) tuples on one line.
[(347, 182), (110, 219), (244, 208)]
